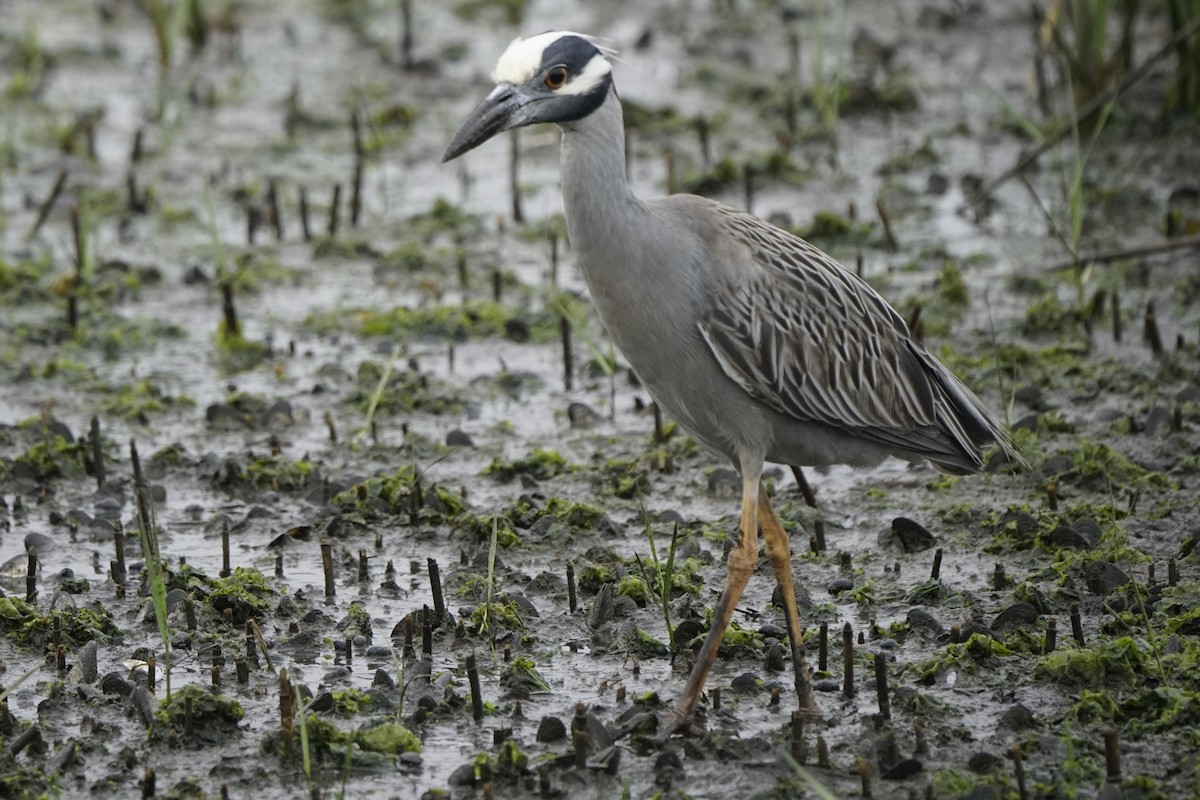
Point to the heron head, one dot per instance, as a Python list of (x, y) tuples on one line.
[(553, 77)]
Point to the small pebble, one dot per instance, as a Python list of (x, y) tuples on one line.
[(1017, 718), (551, 729), (459, 438), (1018, 615), (1103, 577), (839, 585), (913, 536), (746, 683)]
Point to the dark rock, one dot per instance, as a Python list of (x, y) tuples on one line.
[(67, 582), (602, 607), (746, 683), (257, 512), (1029, 422), (1189, 394), (1070, 538), (624, 607), (516, 329), (1089, 529), (144, 703), (724, 481), (1026, 525), (380, 698), (459, 438), (983, 763), (112, 683), (194, 275), (55, 428), (322, 702), (608, 760), (827, 685), (769, 631), (551, 729), (1032, 396), (599, 737), (777, 658), (175, 598), (839, 585), (1104, 577), (108, 508), (383, 680), (87, 662), (525, 606), (314, 616), (912, 536), (803, 598), (924, 623), (670, 517), (1017, 718), (636, 721), (688, 630), (279, 416), (1018, 615), (668, 760), (1158, 421), (903, 770), (462, 776), (973, 628), (581, 415), (224, 417)]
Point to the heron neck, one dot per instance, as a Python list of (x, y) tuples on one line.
[(596, 193)]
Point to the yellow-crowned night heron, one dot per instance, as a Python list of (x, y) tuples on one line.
[(760, 345)]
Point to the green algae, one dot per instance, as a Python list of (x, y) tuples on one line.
[(521, 678), (539, 464), (205, 706), (1115, 663), (487, 617), (246, 592), (635, 588), (404, 391), (25, 624), (351, 701), (978, 652), (269, 472), (55, 457), (361, 747), (388, 737)]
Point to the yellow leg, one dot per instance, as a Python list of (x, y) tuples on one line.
[(779, 553), (741, 562)]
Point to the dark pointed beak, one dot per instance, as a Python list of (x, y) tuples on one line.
[(499, 111)]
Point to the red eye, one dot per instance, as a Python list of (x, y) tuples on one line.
[(556, 78)]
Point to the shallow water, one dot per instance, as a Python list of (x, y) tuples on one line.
[(201, 157)]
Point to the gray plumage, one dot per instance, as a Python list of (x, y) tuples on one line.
[(761, 346)]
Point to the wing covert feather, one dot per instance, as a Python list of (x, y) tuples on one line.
[(808, 338)]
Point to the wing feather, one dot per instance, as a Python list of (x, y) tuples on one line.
[(803, 335)]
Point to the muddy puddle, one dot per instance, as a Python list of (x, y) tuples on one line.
[(397, 391)]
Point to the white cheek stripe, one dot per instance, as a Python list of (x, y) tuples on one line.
[(585, 81)]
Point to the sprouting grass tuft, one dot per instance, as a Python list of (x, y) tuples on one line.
[(663, 578), (148, 534)]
